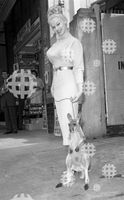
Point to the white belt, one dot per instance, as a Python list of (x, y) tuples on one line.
[(63, 68)]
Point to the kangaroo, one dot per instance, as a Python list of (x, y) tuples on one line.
[(77, 160)]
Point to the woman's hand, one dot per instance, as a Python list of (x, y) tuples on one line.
[(76, 98), (78, 95)]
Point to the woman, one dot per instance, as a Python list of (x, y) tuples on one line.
[(66, 56)]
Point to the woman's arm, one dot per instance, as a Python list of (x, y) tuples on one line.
[(78, 64)]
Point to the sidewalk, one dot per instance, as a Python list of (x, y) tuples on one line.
[(32, 162)]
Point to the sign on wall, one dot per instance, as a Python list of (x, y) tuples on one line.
[(24, 31), (113, 51)]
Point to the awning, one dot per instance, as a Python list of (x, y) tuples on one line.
[(110, 4)]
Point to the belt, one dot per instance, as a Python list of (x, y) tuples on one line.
[(63, 68)]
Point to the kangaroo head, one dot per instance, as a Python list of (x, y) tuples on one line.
[(76, 134)]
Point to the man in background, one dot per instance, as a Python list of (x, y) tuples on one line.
[(8, 105)]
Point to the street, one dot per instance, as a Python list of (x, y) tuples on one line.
[(32, 162)]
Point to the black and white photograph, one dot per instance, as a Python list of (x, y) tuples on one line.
[(61, 99)]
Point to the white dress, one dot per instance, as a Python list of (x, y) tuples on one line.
[(67, 52)]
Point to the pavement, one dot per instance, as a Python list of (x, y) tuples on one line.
[(31, 163)]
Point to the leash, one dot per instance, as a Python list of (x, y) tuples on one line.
[(73, 109)]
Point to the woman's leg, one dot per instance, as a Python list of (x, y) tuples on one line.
[(63, 108)]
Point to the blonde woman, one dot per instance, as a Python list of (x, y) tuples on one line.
[(66, 56)]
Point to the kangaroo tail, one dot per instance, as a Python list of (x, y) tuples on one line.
[(89, 167)]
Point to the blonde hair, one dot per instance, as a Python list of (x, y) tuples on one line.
[(55, 11)]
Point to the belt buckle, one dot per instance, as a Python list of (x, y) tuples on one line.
[(63, 68), (60, 68)]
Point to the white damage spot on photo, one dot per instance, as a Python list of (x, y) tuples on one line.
[(22, 196), (96, 187), (22, 83), (89, 148), (109, 46), (96, 63), (89, 88), (109, 170), (87, 25)]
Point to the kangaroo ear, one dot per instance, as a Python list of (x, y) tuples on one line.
[(69, 117)]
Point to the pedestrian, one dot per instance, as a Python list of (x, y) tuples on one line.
[(37, 96), (20, 111), (8, 106), (66, 56)]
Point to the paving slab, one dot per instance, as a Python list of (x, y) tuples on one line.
[(31, 163)]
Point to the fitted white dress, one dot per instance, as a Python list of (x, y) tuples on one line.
[(66, 56)]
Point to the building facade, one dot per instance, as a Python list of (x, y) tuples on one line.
[(28, 37)]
